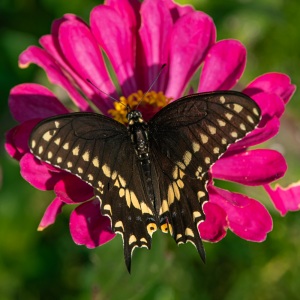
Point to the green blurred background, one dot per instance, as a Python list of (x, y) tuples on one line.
[(48, 265)]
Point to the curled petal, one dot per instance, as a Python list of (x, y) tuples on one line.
[(273, 83), (88, 227), (83, 54), (223, 66), (271, 106), (37, 173), (40, 57), (52, 211), (285, 199), (29, 101), (154, 35), (191, 38), (254, 167), (214, 228), (16, 143), (71, 189), (118, 42), (247, 218)]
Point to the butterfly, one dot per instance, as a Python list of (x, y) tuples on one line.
[(153, 175)]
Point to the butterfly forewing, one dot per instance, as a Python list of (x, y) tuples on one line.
[(98, 150), (186, 138)]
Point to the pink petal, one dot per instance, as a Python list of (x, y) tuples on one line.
[(214, 228), (223, 66), (37, 173), (88, 227), (254, 167), (177, 10), (51, 44), (191, 38), (10, 144), (273, 83), (119, 43), (40, 57), (285, 199), (56, 23), (154, 34), (71, 189), (128, 9), (52, 47), (16, 143), (271, 106), (29, 101), (51, 213), (246, 217), (83, 54)]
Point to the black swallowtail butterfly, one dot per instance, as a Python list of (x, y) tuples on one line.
[(149, 176)]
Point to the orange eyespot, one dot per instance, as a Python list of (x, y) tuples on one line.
[(166, 227), (151, 227)]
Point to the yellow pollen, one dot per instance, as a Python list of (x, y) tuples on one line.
[(151, 101)]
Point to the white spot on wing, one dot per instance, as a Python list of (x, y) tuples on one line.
[(189, 232), (255, 111), (95, 162), (41, 149), (243, 127), (234, 134), (187, 158), (221, 122), (196, 147), (119, 224), (86, 156), (107, 207), (75, 151), (212, 129), (200, 194), (250, 119), (228, 116), (66, 146), (57, 141), (204, 138), (47, 136)]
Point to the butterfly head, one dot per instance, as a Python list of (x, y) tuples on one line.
[(135, 117)]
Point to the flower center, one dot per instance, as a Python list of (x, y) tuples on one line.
[(151, 103)]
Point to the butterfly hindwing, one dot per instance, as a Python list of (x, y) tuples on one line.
[(181, 199), (98, 150), (186, 138)]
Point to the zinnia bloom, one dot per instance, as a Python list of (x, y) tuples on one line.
[(137, 40)]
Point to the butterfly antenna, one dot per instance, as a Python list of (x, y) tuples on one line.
[(154, 81), (109, 96)]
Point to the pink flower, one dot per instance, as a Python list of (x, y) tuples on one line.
[(138, 39)]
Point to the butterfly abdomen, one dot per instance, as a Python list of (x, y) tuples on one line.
[(138, 130)]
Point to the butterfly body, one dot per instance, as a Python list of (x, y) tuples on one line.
[(153, 175)]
